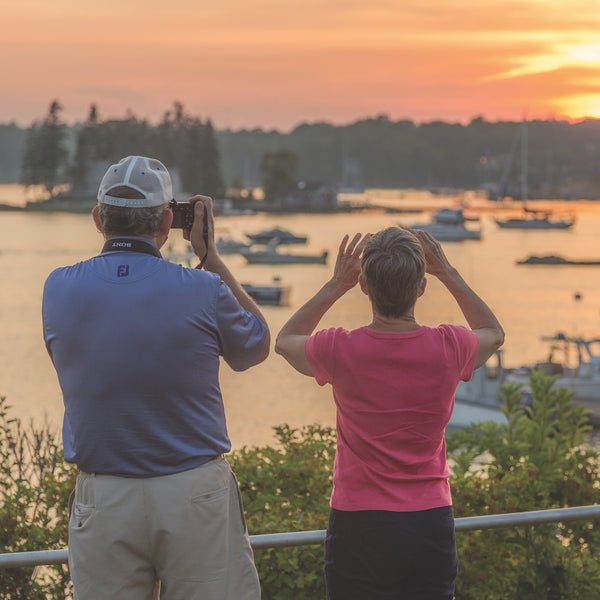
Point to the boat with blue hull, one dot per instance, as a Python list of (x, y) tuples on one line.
[(281, 236), (269, 295), (272, 256)]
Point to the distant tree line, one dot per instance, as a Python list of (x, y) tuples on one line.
[(562, 159), (183, 142)]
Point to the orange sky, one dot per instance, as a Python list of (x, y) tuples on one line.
[(277, 63)]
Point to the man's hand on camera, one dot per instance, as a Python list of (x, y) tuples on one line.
[(196, 235)]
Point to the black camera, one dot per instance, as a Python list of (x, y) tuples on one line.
[(183, 214)]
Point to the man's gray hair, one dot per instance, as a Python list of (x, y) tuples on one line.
[(120, 220)]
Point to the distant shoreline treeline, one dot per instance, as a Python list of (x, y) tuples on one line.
[(562, 158)]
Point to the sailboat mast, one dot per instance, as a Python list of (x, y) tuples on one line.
[(524, 191)]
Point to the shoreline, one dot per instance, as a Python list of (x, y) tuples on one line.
[(224, 207)]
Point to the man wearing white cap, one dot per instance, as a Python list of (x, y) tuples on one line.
[(136, 342)]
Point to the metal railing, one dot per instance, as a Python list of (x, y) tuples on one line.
[(310, 538)]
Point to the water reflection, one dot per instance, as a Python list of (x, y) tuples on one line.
[(531, 302)]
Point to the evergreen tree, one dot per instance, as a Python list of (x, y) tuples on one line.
[(189, 145), (212, 181), (85, 150), (45, 156), (278, 172)]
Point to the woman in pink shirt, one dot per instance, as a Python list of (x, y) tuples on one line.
[(391, 526)]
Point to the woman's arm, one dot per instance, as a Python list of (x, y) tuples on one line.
[(478, 315), (293, 335)]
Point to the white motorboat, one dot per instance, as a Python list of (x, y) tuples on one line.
[(577, 368), (231, 246), (445, 232), (479, 399), (452, 216), (448, 225)]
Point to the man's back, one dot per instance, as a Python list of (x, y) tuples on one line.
[(136, 342)]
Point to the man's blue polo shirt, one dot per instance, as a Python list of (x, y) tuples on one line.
[(136, 342)]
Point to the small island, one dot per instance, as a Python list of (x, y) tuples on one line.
[(552, 259)]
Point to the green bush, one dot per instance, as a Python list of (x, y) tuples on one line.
[(287, 488), (35, 483), (537, 460)]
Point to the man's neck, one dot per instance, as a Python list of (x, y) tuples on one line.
[(157, 240), (131, 244)]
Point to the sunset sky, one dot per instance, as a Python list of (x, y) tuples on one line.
[(278, 63)]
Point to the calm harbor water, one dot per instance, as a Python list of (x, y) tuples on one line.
[(530, 301)]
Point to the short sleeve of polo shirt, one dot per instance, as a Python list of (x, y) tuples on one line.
[(320, 353), (241, 333)]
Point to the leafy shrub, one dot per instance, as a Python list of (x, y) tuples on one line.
[(35, 483), (538, 460), (287, 488)]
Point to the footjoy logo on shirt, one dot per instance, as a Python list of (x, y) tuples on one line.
[(122, 270)]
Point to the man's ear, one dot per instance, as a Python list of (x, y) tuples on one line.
[(96, 217), (164, 229), (167, 221)]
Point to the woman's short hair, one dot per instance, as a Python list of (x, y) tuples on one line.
[(120, 220), (393, 268)]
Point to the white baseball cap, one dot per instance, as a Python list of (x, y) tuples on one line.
[(147, 176)]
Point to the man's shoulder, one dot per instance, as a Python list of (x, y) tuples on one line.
[(187, 275), (67, 270)]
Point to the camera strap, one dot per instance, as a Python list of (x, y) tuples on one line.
[(122, 244), (205, 236)]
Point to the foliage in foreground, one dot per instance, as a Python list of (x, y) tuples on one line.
[(35, 483), (536, 460), (287, 488)]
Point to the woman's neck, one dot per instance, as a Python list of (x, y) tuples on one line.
[(401, 324)]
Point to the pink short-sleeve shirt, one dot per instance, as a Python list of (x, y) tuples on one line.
[(394, 394)]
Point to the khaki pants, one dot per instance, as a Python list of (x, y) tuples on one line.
[(186, 530)]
